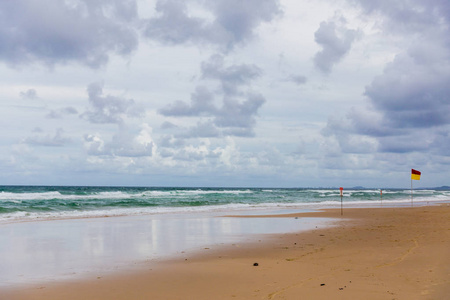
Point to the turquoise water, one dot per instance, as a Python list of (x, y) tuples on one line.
[(40, 202)]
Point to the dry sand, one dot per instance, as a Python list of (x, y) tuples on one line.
[(376, 253)]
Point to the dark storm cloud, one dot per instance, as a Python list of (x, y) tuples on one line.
[(233, 22), (53, 31), (441, 141), (109, 109), (409, 107), (404, 144), (406, 16), (336, 41), (239, 106), (413, 90), (413, 93)]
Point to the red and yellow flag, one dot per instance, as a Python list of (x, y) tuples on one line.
[(415, 174)]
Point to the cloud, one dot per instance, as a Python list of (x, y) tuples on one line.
[(335, 40), (56, 140), (57, 32), (202, 103), (411, 94), (169, 141), (239, 114), (173, 25), (231, 77), (122, 144), (198, 156), (441, 142), (298, 79), (235, 115), (109, 109), (58, 114), (224, 23), (413, 142), (204, 130), (242, 22), (406, 16), (408, 108), (29, 94)]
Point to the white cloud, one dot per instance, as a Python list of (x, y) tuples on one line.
[(224, 92), (122, 144)]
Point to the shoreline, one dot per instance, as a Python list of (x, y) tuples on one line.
[(377, 253)]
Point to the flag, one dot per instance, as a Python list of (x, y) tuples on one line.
[(415, 174)]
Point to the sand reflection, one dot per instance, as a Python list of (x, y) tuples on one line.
[(64, 249)]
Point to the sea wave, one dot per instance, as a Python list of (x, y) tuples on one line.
[(41, 203), (114, 194), (20, 216)]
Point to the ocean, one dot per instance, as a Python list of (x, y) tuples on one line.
[(153, 224), (27, 203)]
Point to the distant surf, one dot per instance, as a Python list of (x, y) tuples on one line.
[(26, 203)]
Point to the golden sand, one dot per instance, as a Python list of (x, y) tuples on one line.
[(374, 253)]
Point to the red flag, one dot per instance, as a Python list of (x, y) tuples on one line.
[(415, 174)]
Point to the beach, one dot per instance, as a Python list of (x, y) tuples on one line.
[(369, 253)]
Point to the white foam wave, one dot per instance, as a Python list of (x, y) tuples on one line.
[(27, 196), (27, 216), (114, 194)]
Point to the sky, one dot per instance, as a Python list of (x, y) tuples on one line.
[(225, 93)]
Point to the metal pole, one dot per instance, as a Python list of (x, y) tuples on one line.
[(411, 194)]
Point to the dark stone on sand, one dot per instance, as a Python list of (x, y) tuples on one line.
[(322, 284), (255, 264)]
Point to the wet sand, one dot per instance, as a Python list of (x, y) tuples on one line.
[(374, 253), (68, 249)]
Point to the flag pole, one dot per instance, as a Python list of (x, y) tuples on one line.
[(411, 194)]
